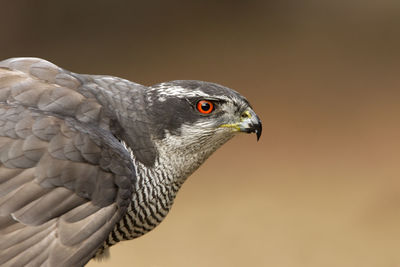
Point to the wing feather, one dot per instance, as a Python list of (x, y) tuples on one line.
[(65, 180)]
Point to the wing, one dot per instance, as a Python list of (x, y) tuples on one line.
[(65, 180)]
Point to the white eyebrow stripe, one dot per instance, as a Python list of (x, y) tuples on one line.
[(178, 91)]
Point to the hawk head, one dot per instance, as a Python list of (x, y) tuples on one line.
[(191, 119)]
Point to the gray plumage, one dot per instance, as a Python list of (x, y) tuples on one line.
[(87, 161)]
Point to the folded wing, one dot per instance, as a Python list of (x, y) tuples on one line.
[(65, 180)]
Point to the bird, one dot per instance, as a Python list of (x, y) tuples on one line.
[(87, 161)]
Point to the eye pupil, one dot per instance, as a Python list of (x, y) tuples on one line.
[(205, 106)]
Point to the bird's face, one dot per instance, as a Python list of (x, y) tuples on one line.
[(193, 118)]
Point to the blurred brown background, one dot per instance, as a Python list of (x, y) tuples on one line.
[(322, 187)]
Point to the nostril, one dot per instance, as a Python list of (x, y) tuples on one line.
[(245, 115)]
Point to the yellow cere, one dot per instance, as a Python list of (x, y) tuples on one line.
[(247, 113)]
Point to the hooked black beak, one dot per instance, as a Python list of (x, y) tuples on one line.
[(250, 123)]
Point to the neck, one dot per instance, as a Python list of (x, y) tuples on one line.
[(157, 186)]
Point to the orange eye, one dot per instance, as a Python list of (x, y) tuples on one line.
[(205, 106)]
